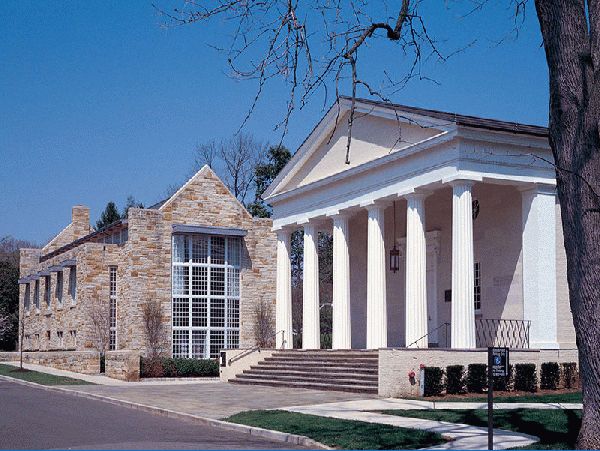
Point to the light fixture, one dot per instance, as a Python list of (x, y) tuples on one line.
[(394, 251)]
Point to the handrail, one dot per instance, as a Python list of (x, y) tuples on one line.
[(256, 348), (427, 334)]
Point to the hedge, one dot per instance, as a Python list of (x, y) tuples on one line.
[(550, 376), (455, 380), (434, 384), (178, 367), (525, 377), (476, 377), (570, 377)]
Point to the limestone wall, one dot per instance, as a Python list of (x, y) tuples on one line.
[(123, 365), (395, 364), (86, 362)]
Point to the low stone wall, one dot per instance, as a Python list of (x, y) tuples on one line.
[(395, 364), (123, 365), (86, 362), (231, 369)]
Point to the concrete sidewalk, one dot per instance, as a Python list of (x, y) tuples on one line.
[(462, 436)]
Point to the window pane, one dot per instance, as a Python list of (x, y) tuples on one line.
[(199, 312), (233, 251), (233, 339), (199, 249), (233, 313), (180, 280), (217, 281), (217, 251), (198, 344), (181, 317), (181, 342), (217, 342), (217, 312), (180, 249), (233, 282), (199, 281)]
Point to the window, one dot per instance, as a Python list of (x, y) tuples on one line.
[(206, 294), (73, 338), (36, 343), (36, 294), (477, 287), (47, 290), (59, 336), (59, 287), (73, 284), (26, 298), (112, 343)]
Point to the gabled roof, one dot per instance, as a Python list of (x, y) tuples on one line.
[(402, 113)]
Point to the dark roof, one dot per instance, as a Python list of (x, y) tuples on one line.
[(461, 119), (157, 205), (121, 223)]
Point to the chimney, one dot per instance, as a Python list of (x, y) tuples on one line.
[(80, 221)]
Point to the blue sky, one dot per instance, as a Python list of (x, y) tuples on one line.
[(99, 101)]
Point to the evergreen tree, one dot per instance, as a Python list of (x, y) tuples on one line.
[(130, 203), (108, 216), (277, 158)]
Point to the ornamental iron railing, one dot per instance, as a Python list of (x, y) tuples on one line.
[(509, 333)]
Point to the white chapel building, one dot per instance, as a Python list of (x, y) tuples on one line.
[(446, 232)]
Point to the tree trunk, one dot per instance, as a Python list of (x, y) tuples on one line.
[(573, 58)]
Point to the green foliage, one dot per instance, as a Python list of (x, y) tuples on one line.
[(339, 434), (108, 216), (525, 377), (557, 429), (570, 376), (550, 376), (455, 380), (130, 203), (178, 367), (476, 377), (434, 381), (264, 174)]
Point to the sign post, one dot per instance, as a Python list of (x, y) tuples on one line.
[(497, 367)]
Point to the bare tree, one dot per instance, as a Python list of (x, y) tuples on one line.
[(235, 160), (154, 329), (285, 33), (98, 313), (264, 324)]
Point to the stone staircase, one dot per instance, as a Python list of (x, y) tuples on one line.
[(344, 370)]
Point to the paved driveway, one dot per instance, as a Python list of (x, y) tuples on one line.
[(218, 400), (41, 419)]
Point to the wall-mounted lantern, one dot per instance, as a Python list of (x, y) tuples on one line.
[(394, 251)]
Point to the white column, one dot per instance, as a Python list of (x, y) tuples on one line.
[(539, 266), (376, 273), (416, 272), (311, 338), (342, 337), (283, 314), (463, 296)]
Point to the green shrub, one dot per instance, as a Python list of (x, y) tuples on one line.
[(102, 364), (505, 383), (455, 380), (525, 377), (550, 376), (476, 377), (570, 376), (434, 383), (178, 367)]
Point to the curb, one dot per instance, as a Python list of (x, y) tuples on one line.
[(277, 436)]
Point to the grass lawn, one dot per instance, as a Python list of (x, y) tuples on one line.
[(345, 434), (532, 397), (557, 429), (40, 378)]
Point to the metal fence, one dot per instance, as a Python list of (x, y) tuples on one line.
[(510, 333)]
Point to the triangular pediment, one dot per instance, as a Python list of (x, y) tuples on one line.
[(374, 135)]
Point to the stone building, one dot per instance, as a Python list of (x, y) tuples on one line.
[(200, 253)]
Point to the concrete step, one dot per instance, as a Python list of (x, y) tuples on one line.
[(341, 372), (318, 366), (342, 379), (329, 354), (308, 385)]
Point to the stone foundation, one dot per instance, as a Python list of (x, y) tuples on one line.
[(123, 365), (85, 362), (395, 364)]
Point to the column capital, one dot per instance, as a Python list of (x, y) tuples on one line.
[(376, 204), (537, 188), (283, 234), (417, 195)]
